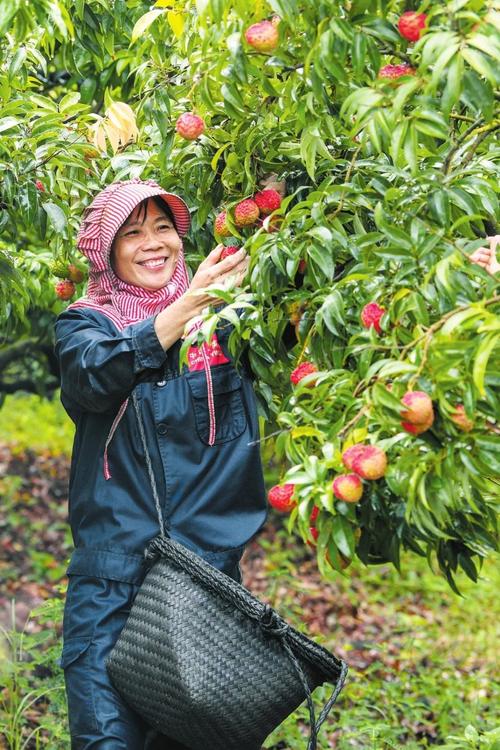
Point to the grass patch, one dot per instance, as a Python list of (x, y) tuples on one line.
[(30, 421)]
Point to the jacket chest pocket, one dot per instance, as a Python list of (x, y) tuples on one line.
[(229, 407)]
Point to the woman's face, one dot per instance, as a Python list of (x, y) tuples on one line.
[(145, 250)]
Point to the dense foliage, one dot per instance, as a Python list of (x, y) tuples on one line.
[(391, 184)]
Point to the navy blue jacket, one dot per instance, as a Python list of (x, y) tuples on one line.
[(213, 497)]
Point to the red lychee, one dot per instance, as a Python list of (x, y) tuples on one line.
[(190, 126), (221, 226), (40, 186), (229, 250), (396, 71), (302, 266), (314, 514), (315, 534), (262, 36), (64, 289), (246, 213), (281, 497), (306, 368), (267, 201), (351, 453), (371, 315), (371, 463), (461, 420), (411, 25), (348, 487), (419, 409), (418, 429)]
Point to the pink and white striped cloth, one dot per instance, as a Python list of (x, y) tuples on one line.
[(125, 303)]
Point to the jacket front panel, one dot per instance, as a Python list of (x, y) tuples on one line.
[(212, 497)]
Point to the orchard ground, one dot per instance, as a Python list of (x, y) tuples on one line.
[(422, 659)]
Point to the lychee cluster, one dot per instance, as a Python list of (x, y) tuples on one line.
[(70, 275), (363, 462), (248, 212)]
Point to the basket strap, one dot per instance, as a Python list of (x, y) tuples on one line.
[(273, 626), (148, 463)]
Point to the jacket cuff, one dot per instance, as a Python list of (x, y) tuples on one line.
[(149, 351)]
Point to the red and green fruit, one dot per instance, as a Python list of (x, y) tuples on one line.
[(368, 461), (263, 36), (371, 315), (306, 368), (221, 226), (281, 497), (267, 201), (418, 409), (75, 274), (461, 420), (418, 429), (396, 71), (348, 487), (65, 289), (190, 126), (40, 186), (246, 213), (229, 250), (411, 25)]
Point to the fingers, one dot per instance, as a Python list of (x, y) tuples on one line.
[(481, 256)]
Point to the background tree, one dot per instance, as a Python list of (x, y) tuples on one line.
[(385, 133)]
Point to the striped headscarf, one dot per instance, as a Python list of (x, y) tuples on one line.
[(122, 302)]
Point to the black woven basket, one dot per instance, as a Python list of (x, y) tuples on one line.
[(206, 663)]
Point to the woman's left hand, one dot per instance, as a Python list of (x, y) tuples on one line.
[(486, 257)]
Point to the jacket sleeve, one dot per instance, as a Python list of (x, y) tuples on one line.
[(100, 365)]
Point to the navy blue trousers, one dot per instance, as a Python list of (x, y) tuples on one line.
[(94, 614)]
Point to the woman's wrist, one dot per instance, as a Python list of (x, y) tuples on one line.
[(170, 323)]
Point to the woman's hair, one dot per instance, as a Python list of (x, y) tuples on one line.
[(162, 205)]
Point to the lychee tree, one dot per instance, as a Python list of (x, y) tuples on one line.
[(379, 122)]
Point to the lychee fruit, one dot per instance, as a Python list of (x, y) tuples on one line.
[(221, 226), (411, 24), (315, 534), (281, 497), (246, 213), (396, 71), (371, 315), (190, 126), (263, 36), (267, 201), (371, 463), (306, 368), (418, 429), (348, 487), (228, 250), (64, 289), (75, 274), (314, 514), (351, 453), (302, 266), (461, 420), (419, 407), (40, 186)]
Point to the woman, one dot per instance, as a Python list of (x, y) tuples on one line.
[(201, 428)]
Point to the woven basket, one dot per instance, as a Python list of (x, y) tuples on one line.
[(206, 663)]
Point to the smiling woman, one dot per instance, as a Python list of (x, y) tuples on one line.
[(201, 428)]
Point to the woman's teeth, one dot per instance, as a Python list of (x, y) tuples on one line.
[(154, 263)]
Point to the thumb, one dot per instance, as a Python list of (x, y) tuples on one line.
[(214, 255)]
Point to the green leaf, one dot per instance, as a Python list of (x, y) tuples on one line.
[(484, 352), (144, 23), (56, 215)]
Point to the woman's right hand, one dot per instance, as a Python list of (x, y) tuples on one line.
[(217, 273)]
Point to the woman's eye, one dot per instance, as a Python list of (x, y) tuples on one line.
[(165, 226)]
